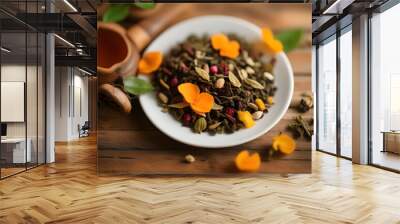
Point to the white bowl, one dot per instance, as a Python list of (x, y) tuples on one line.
[(211, 25)]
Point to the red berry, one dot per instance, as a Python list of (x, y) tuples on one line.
[(224, 68), (173, 81), (186, 119), (214, 69), (230, 111)]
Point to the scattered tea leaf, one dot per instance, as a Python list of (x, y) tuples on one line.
[(290, 38), (145, 5), (116, 12), (299, 127), (136, 86)]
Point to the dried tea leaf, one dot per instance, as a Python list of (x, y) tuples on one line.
[(202, 73), (214, 126), (165, 109), (234, 80), (164, 84), (243, 74), (206, 68), (200, 54), (253, 83), (249, 61), (163, 98), (250, 71), (231, 67), (253, 106), (217, 107), (268, 76), (179, 105), (257, 115)]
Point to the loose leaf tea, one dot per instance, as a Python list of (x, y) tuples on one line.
[(306, 103), (195, 74), (300, 128)]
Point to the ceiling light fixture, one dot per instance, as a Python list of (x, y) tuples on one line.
[(64, 40), (84, 71), (5, 50), (70, 5)]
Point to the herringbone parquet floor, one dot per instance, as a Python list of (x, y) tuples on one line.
[(69, 191)]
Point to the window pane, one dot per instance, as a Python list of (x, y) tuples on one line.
[(385, 86), (327, 97), (345, 94)]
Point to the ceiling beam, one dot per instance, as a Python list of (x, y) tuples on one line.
[(84, 24), (78, 61)]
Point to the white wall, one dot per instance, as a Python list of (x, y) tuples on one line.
[(70, 84)]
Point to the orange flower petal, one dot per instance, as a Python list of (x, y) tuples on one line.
[(218, 41), (230, 50), (150, 62), (273, 45), (246, 162), (203, 103), (266, 34), (284, 143), (246, 118), (189, 91)]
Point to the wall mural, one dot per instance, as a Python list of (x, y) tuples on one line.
[(204, 89)]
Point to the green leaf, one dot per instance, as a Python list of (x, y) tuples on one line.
[(290, 38), (116, 12), (137, 86), (145, 5)]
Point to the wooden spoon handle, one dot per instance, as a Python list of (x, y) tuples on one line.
[(143, 32)]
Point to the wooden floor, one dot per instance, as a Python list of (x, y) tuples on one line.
[(69, 191)]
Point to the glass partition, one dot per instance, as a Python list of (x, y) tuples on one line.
[(327, 96), (385, 89), (346, 93), (32, 97), (22, 77), (15, 149)]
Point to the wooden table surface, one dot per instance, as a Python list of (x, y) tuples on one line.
[(130, 144)]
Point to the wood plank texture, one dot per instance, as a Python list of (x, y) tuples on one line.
[(130, 144), (70, 191)]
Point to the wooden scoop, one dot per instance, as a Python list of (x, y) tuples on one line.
[(119, 49)]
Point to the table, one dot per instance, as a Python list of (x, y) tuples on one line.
[(13, 150), (391, 141)]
